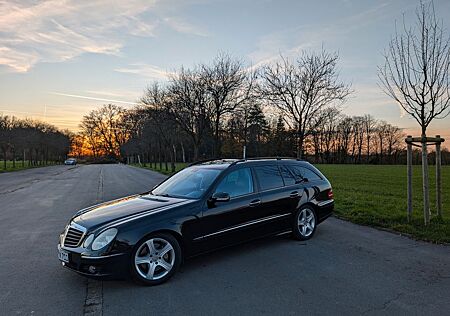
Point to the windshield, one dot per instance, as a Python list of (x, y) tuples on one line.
[(189, 183)]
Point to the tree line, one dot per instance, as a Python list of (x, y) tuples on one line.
[(287, 108), (30, 141)]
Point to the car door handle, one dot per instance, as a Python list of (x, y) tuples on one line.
[(255, 202), (293, 194)]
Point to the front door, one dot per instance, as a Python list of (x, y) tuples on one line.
[(225, 223)]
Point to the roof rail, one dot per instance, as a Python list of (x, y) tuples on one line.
[(276, 157), (261, 158), (242, 160), (210, 160), (202, 161)]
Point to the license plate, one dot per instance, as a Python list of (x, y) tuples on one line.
[(63, 255)]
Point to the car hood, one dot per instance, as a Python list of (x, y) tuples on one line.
[(125, 207)]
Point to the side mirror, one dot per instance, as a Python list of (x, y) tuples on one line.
[(220, 197)]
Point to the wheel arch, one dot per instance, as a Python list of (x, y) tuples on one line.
[(173, 233)]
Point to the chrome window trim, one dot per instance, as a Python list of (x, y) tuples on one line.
[(256, 221)]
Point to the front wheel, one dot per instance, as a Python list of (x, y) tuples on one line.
[(156, 259), (305, 223)]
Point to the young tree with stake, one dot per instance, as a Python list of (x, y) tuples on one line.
[(416, 74)]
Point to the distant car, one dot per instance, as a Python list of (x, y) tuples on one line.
[(70, 161), (206, 206)]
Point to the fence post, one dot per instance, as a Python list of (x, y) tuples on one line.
[(438, 177), (409, 171)]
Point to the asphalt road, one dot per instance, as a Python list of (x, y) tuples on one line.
[(344, 269)]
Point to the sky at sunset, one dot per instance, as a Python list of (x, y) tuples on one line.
[(61, 59)]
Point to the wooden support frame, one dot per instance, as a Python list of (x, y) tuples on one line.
[(423, 142)]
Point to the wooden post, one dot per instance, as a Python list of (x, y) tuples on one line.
[(409, 171), (425, 181), (438, 178)]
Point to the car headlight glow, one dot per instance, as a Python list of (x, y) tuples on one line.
[(104, 238)]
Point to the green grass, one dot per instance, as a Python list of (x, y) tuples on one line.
[(178, 167), (19, 166), (376, 196)]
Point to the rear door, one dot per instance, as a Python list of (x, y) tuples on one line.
[(279, 196)]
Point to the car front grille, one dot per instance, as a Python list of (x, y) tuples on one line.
[(73, 237)]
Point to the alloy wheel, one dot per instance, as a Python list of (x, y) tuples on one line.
[(154, 259), (306, 222)]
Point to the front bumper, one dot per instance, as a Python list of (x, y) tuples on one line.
[(114, 265)]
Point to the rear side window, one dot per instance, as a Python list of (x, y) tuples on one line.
[(269, 177), (303, 172), (288, 178)]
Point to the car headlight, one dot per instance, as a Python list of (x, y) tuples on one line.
[(88, 240), (104, 238)]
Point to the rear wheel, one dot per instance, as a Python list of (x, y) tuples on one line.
[(155, 259), (305, 223)]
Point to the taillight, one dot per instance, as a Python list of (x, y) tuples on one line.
[(330, 194)]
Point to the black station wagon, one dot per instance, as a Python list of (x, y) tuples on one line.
[(208, 205)]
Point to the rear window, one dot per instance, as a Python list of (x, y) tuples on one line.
[(302, 172), (269, 177), (288, 178)]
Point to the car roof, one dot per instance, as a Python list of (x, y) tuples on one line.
[(225, 163)]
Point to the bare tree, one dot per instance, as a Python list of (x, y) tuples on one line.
[(416, 74), (106, 130), (229, 86), (302, 89), (369, 126), (187, 104)]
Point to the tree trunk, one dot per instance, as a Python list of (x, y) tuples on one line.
[(174, 157), (300, 146), (183, 153), (426, 193), (159, 157), (438, 179), (196, 151), (217, 149), (166, 165), (409, 174)]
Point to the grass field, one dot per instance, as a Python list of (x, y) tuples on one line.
[(376, 196), (19, 166), (178, 167)]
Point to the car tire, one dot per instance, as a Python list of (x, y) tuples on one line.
[(305, 223), (155, 259)]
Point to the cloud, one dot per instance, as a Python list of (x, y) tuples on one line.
[(182, 26), (58, 30), (93, 98), (114, 93), (145, 70), (289, 42)]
